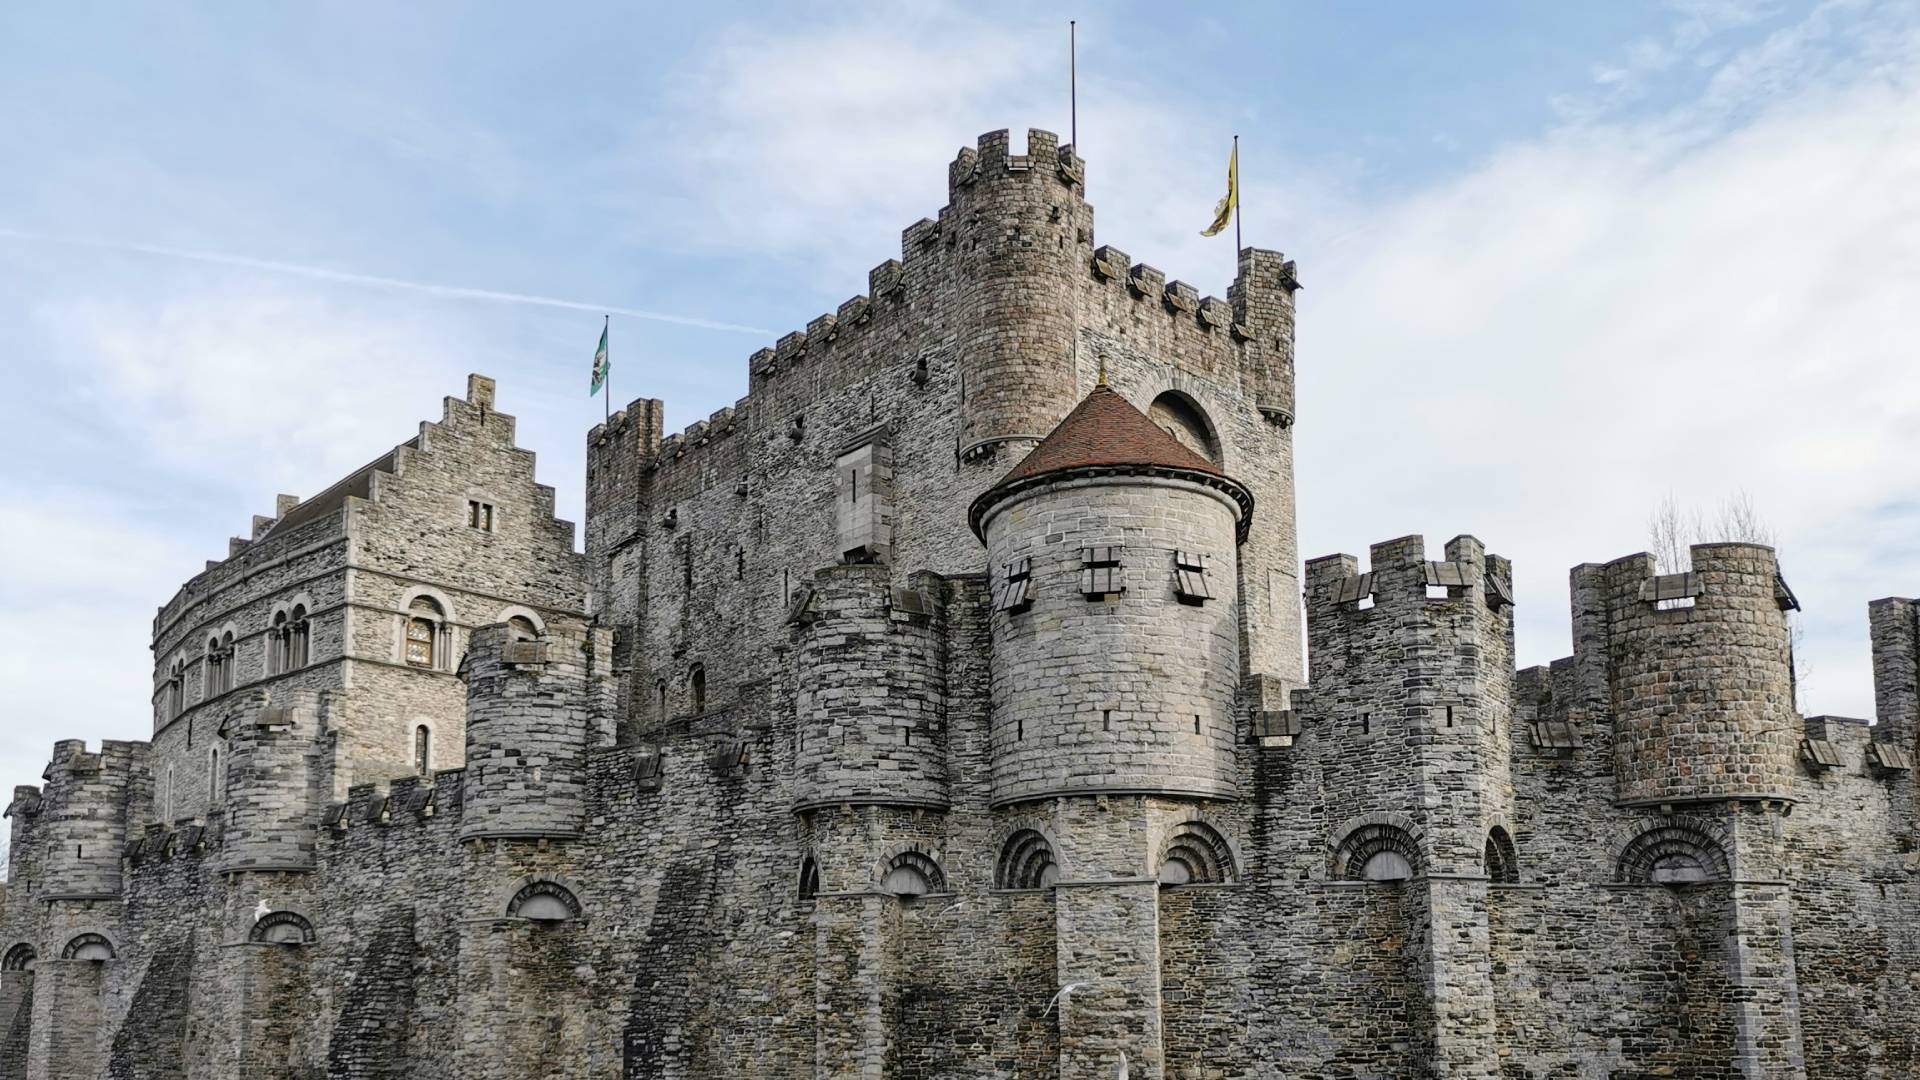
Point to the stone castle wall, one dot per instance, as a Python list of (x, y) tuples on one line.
[(804, 797)]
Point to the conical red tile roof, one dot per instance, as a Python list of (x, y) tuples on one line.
[(1105, 429), (1105, 432)]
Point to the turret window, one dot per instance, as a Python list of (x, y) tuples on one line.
[(1190, 578), (1101, 575), (1016, 593), (422, 749), (697, 683), (479, 515)]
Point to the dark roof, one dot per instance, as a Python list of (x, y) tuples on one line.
[(1106, 434), (357, 484), (1105, 429)]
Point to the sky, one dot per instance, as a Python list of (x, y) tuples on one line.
[(1561, 261)]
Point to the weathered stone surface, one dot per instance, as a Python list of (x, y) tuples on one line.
[(795, 775)]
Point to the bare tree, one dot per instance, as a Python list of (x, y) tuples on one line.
[(1673, 530)]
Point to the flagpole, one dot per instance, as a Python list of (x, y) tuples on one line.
[(1237, 196), (1073, 88), (606, 386)]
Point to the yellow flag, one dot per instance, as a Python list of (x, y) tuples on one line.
[(1223, 213)]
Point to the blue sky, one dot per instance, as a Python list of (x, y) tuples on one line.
[(1561, 260)]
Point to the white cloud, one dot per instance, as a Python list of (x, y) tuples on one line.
[(1539, 350)]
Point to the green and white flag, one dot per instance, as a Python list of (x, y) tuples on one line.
[(600, 363)]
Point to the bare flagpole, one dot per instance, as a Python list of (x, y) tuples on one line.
[(1073, 87)]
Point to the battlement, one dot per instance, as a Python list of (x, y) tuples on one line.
[(991, 160), (1400, 579), (1696, 668)]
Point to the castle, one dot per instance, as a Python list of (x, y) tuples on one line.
[(939, 710)]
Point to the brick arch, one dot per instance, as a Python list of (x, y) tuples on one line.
[(1363, 837), (19, 957), (89, 940), (1199, 849), (521, 611), (1674, 840), (922, 858), (1011, 827), (1195, 395), (448, 613), (1500, 859), (509, 899), (283, 927)]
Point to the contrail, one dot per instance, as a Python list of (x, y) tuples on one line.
[(451, 292)]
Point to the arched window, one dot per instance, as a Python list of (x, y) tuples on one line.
[(214, 780), (1502, 862), (1181, 417), (277, 644), (175, 692), (298, 637), (422, 749), (166, 804), (20, 958), (1195, 853), (88, 947), (1377, 852), (544, 901), (809, 878), (912, 873), (1026, 862), (1673, 853), (212, 667), (521, 628), (282, 928), (424, 630), (660, 696), (697, 682)]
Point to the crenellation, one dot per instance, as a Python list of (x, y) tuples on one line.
[(939, 710)]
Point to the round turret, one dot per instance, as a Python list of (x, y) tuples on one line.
[(531, 709), (268, 790), (1116, 650), (83, 818), (1019, 231), (870, 688), (1702, 677)]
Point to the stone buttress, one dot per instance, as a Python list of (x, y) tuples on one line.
[(1112, 558), (1699, 675), (1412, 674)]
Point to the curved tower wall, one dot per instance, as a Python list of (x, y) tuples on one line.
[(1016, 227), (83, 818), (1093, 696), (532, 707), (1702, 695), (870, 692), (269, 797)]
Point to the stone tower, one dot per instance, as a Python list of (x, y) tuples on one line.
[(1112, 552)]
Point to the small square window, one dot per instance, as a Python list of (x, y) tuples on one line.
[(1190, 586), (1820, 753), (1016, 594), (1101, 575), (479, 515)]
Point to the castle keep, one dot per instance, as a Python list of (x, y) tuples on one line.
[(948, 707)]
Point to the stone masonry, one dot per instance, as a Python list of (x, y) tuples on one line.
[(956, 705)]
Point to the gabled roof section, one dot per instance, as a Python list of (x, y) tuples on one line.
[(357, 484), (1105, 434), (1105, 429)]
